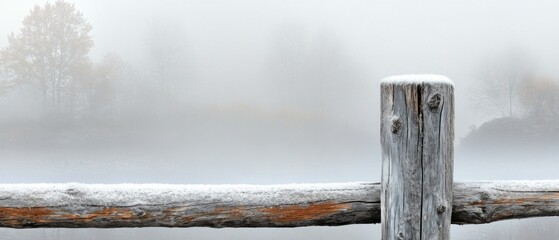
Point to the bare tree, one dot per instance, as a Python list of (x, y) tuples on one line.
[(166, 48), (290, 48), (50, 51), (500, 82)]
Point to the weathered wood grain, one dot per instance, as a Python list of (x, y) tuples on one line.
[(111, 206), (485, 202), (437, 158), (417, 133)]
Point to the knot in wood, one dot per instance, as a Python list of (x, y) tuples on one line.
[(139, 212), (400, 236), (434, 102), (441, 209), (396, 125)]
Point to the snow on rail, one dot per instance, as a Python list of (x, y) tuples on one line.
[(31, 195), (75, 205)]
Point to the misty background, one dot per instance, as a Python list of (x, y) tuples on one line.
[(269, 92)]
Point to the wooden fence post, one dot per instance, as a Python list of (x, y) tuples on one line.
[(417, 133)]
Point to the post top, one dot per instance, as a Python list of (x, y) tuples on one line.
[(418, 79)]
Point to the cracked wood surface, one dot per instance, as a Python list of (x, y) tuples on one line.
[(141, 205), (417, 139)]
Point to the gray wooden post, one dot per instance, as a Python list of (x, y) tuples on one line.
[(417, 133)]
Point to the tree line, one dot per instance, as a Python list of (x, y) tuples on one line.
[(49, 57)]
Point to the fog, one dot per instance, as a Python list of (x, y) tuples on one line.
[(269, 92)]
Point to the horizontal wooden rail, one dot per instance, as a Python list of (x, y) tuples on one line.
[(296, 205), (153, 205), (485, 202)]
